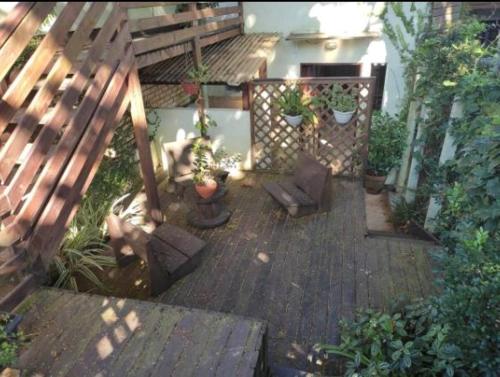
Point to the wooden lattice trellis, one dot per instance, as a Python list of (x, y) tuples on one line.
[(275, 143)]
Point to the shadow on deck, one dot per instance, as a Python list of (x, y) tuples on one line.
[(300, 275)]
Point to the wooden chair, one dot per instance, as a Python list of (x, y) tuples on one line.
[(169, 252), (307, 192)]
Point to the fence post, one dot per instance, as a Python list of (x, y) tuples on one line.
[(447, 153)]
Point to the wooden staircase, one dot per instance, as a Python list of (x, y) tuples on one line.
[(57, 116)]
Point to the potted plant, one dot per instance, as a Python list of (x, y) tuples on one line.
[(294, 107), (342, 103), (196, 77), (385, 148), (203, 176)]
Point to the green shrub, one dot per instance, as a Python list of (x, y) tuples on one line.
[(386, 144), (406, 342), (470, 301), (9, 343), (82, 249)]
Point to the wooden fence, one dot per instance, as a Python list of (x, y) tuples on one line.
[(275, 143)]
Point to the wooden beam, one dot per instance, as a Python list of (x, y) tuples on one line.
[(17, 40), (40, 103), (32, 207), (19, 90), (13, 19), (155, 22), (195, 43), (170, 52), (19, 293), (69, 189), (61, 113), (164, 40), (140, 124)]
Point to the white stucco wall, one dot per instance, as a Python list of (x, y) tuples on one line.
[(232, 131), (335, 18)]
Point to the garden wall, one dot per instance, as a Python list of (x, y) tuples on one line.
[(232, 132)]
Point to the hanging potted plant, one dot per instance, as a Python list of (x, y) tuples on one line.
[(385, 148), (342, 103), (195, 78), (204, 180), (294, 107)]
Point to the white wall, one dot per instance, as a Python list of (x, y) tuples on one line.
[(232, 132), (335, 18)]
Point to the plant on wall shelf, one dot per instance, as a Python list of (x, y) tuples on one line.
[(295, 107)]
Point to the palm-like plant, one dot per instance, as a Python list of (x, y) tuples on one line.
[(82, 251), (293, 103)]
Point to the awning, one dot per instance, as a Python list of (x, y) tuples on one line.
[(233, 61)]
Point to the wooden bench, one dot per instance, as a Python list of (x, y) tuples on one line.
[(169, 252), (307, 192)]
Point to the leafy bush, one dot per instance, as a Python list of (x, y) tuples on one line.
[(9, 343), (202, 171), (470, 301), (407, 342), (386, 144)]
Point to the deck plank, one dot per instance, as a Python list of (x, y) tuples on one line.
[(82, 335), (320, 268)]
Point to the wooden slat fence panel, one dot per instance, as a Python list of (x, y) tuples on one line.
[(275, 144)]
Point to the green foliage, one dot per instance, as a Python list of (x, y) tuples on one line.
[(470, 302), (338, 99), (406, 342), (199, 75), (293, 103), (386, 145), (202, 171), (222, 160), (204, 123), (451, 65), (9, 343), (82, 249)]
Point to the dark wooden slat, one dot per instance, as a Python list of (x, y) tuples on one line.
[(22, 133), (68, 193), (19, 293), (48, 177), (170, 52), (168, 39), (59, 115), (177, 18), (30, 73), (140, 125), (18, 40), (147, 4), (13, 19)]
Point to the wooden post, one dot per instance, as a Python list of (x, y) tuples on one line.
[(140, 125), (447, 153), (242, 25), (414, 172)]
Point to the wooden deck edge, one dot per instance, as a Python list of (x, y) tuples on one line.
[(397, 236)]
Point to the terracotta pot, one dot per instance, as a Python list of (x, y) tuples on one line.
[(190, 88), (207, 189), (374, 184)]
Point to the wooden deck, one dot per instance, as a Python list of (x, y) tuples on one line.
[(83, 335), (300, 275)]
